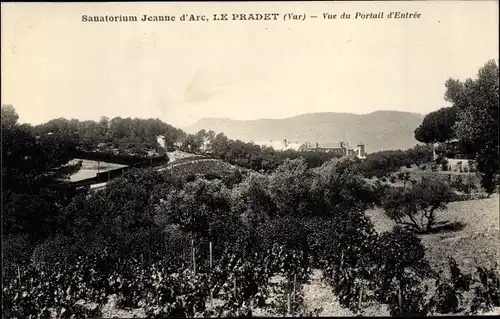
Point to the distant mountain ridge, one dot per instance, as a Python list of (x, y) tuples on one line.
[(380, 130)]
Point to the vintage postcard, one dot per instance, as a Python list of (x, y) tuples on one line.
[(222, 159)]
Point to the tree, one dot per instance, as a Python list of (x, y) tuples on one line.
[(437, 126), (337, 188), (417, 205), (9, 115), (30, 165), (211, 135), (191, 143), (201, 208), (477, 123), (103, 125), (252, 199), (289, 186), (220, 145)]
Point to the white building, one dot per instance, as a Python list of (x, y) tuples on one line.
[(161, 141), (283, 145)]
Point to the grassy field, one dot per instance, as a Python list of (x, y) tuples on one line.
[(478, 243)]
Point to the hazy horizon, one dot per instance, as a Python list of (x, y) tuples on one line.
[(54, 65)]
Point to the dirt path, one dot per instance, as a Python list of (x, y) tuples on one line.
[(319, 295)]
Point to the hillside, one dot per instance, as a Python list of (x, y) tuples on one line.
[(381, 130)]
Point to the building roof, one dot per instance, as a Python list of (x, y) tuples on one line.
[(335, 145), (329, 145)]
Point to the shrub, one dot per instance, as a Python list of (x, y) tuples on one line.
[(415, 207), (449, 295), (486, 291), (382, 163), (441, 160), (378, 192), (392, 179), (453, 291), (458, 182), (400, 262)]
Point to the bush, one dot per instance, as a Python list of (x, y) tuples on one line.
[(382, 163), (449, 295), (441, 160), (400, 262), (486, 291), (415, 207), (453, 291)]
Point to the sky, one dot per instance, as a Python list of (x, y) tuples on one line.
[(54, 65)]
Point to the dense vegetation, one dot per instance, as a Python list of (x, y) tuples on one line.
[(134, 239), (132, 137), (116, 130), (472, 119), (190, 241), (246, 154), (382, 163)]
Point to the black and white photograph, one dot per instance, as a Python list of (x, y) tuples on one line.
[(250, 159)]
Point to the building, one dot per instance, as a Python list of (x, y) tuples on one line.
[(161, 141), (206, 147), (342, 149), (283, 145)]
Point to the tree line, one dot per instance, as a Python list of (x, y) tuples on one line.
[(248, 154)]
